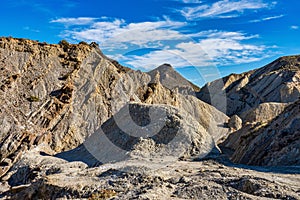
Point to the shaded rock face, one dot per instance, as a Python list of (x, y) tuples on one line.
[(276, 82), (144, 132), (267, 133), (273, 143)]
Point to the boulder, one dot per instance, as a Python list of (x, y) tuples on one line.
[(235, 122)]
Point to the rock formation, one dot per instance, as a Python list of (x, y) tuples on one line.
[(172, 79), (144, 132), (269, 143), (46, 177), (266, 101), (264, 112), (275, 82), (76, 124), (57, 95)]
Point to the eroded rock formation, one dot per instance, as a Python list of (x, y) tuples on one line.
[(76, 124)]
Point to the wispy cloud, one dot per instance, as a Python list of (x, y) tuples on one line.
[(117, 32), (169, 44), (267, 18), (216, 48), (222, 9), (294, 27), (74, 21)]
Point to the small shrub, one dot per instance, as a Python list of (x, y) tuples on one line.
[(83, 43), (33, 99), (64, 43), (103, 194)]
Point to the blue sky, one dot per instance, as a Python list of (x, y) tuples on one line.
[(203, 40)]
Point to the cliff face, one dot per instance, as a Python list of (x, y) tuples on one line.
[(266, 99)]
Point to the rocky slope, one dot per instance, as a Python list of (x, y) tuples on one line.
[(172, 79), (273, 142), (278, 81), (76, 124), (156, 133), (58, 95), (263, 112), (266, 101)]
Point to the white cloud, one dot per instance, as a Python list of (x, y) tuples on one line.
[(267, 18), (27, 28), (216, 48), (222, 9), (74, 21), (171, 45), (294, 27), (118, 32)]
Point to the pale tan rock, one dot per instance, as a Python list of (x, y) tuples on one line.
[(171, 79), (275, 82), (269, 143), (59, 95), (181, 180), (235, 122), (263, 112), (54, 97)]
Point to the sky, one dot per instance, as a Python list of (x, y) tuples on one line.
[(202, 39)]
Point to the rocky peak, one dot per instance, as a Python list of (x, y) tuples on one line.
[(165, 67), (171, 79), (278, 81)]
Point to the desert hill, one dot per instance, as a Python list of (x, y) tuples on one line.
[(76, 124), (275, 82), (171, 79)]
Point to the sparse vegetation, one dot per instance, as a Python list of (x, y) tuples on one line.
[(33, 99), (83, 43), (64, 44), (103, 194)]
